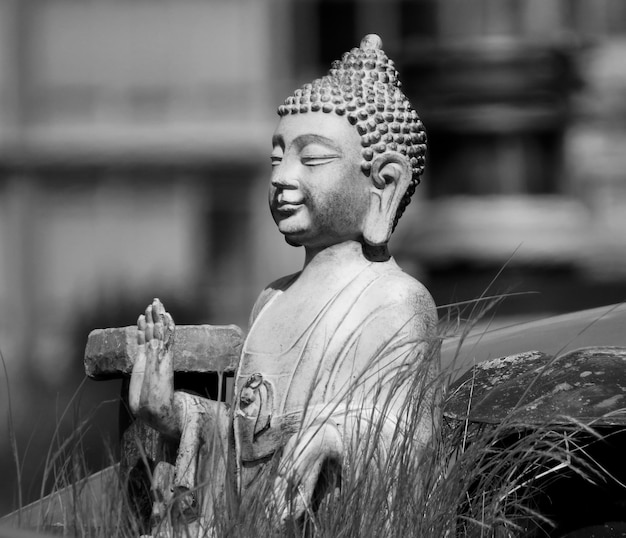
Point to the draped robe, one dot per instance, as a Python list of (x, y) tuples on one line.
[(331, 356)]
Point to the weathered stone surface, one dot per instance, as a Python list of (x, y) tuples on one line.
[(588, 385), (197, 348)]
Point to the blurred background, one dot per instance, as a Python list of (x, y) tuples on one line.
[(134, 160)]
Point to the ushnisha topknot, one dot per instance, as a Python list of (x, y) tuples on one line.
[(363, 86)]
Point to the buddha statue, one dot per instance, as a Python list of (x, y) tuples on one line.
[(331, 349)]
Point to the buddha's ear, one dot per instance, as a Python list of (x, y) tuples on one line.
[(390, 177)]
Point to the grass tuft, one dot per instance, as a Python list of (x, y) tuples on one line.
[(467, 481)]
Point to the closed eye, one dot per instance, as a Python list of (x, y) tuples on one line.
[(276, 159), (318, 160)]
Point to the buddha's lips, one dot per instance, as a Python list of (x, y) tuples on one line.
[(288, 207), (287, 203)]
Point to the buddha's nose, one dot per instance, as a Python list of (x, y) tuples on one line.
[(285, 177)]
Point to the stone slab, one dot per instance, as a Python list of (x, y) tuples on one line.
[(89, 504), (536, 388), (111, 353)]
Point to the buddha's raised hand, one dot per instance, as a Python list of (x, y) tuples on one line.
[(152, 380)]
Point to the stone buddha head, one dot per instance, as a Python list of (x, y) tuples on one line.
[(348, 153)]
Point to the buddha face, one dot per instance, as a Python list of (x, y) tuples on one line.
[(318, 193)]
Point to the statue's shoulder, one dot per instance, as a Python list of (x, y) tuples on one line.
[(407, 296), (281, 284), (270, 291)]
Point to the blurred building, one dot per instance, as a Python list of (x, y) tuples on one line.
[(523, 102), (134, 143), (134, 153)]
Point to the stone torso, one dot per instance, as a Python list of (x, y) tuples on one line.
[(318, 348)]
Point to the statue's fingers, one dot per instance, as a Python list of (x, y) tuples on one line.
[(149, 323), (149, 332), (169, 323), (141, 330), (159, 332), (168, 331), (158, 310)]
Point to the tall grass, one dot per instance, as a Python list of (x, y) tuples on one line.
[(467, 481), (11, 431), (72, 502)]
